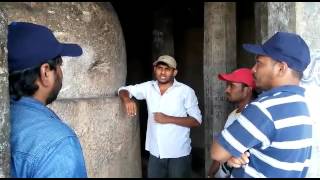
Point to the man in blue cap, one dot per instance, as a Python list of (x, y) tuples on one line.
[(276, 128), (41, 144)]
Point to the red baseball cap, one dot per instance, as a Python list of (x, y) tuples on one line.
[(242, 75)]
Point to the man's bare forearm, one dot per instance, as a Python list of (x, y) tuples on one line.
[(185, 121), (218, 153), (124, 95), (181, 121)]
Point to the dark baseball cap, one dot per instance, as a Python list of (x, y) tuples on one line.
[(284, 46), (30, 45)]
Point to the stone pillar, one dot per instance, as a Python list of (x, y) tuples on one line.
[(162, 34), (301, 18), (271, 17), (87, 101), (111, 141), (4, 100), (219, 56)]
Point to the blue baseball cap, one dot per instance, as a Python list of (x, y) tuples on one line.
[(284, 46), (30, 45)]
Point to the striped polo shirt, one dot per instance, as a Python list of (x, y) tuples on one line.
[(277, 130)]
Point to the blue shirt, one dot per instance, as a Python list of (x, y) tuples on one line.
[(277, 130), (41, 144)]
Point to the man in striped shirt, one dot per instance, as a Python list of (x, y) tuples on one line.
[(240, 90), (276, 128)]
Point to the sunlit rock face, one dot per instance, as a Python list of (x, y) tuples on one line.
[(87, 101), (101, 70)]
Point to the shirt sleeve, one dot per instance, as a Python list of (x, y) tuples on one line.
[(139, 91), (191, 105), (63, 159), (253, 128)]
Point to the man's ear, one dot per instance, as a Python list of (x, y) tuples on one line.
[(283, 68), (248, 90), (175, 72), (44, 76)]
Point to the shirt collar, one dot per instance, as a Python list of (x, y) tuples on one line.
[(32, 102), (288, 88), (175, 83)]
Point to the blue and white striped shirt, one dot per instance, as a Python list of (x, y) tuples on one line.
[(277, 130)]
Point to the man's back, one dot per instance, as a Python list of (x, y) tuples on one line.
[(41, 144)]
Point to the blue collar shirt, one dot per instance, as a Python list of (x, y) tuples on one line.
[(41, 144)]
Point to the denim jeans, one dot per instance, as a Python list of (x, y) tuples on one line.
[(169, 167)]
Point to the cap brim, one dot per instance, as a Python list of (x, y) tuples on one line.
[(254, 48), (71, 50), (225, 77), (155, 63), (232, 78)]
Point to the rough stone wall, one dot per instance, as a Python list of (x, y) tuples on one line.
[(219, 56), (96, 28), (272, 17), (111, 141), (4, 100), (87, 100)]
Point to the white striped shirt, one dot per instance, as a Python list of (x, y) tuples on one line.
[(277, 130)]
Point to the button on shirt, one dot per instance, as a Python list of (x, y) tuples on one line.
[(41, 144), (167, 140)]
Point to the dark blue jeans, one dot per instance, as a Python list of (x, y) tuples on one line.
[(169, 167)]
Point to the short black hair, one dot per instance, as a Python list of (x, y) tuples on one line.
[(22, 83)]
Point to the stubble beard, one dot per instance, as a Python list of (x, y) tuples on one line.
[(55, 92)]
